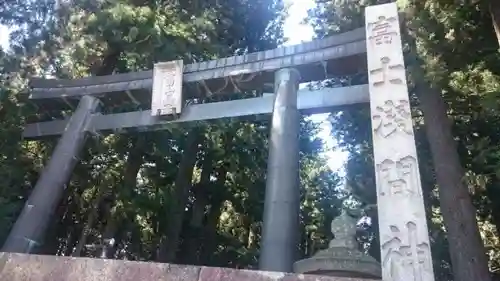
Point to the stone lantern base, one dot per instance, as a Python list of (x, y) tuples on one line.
[(342, 258), (340, 262)]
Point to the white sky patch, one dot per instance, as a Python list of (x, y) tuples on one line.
[(4, 36), (297, 32)]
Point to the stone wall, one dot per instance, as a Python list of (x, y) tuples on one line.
[(20, 267)]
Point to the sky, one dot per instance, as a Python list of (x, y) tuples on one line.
[(296, 33), (4, 36)]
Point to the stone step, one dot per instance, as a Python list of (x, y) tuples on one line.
[(22, 267)]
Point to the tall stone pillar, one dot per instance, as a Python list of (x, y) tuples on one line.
[(29, 230), (404, 240), (281, 207)]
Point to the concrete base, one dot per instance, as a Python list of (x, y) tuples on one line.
[(21, 267), (340, 262), (348, 274)]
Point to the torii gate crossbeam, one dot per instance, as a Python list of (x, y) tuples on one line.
[(286, 67)]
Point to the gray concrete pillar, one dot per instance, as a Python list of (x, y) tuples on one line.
[(29, 229), (281, 207)]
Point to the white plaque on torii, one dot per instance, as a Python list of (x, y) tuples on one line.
[(167, 88)]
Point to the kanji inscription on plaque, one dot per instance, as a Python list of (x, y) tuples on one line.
[(167, 88)]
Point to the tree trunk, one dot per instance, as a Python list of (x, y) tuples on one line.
[(495, 16), (156, 224), (70, 242), (129, 181), (191, 253), (82, 240), (108, 241), (251, 236), (492, 193), (176, 210), (210, 233), (467, 252), (62, 222), (466, 247), (85, 233)]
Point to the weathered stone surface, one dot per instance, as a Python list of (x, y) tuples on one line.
[(228, 274), (305, 277), (404, 236), (21, 267)]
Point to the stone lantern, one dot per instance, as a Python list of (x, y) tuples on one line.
[(342, 258)]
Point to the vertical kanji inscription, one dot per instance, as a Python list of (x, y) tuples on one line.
[(167, 88), (404, 237)]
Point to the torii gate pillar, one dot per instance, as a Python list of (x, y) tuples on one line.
[(404, 238), (282, 201), (29, 230)]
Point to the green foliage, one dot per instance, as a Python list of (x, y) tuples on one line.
[(192, 194)]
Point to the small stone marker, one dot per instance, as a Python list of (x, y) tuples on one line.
[(167, 88)]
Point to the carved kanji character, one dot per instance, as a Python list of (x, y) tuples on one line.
[(398, 177), (406, 262), (387, 72), (392, 116), (383, 30)]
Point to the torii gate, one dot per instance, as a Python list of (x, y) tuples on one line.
[(403, 229)]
